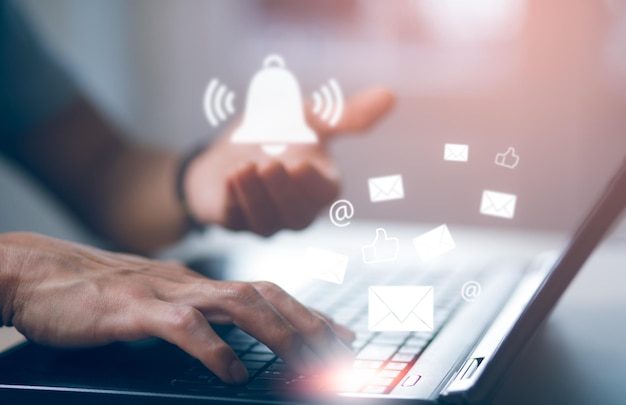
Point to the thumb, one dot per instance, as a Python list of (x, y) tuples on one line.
[(360, 112)]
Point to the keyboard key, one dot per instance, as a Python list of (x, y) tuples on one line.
[(367, 364), (240, 346), (386, 381), (280, 371), (346, 316), (283, 377), (260, 348), (374, 389), (304, 385), (395, 366), (254, 365), (390, 338), (353, 380), (357, 348), (410, 380), (279, 367), (237, 335), (376, 352), (361, 327), (258, 356), (412, 347), (403, 357), (277, 375), (358, 344), (389, 373), (421, 336)]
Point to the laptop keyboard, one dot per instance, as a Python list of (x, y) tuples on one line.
[(383, 359)]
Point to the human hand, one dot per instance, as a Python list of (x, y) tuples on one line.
[(65, 294), (239, 187)]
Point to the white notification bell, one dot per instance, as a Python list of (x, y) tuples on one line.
[(274, 115)]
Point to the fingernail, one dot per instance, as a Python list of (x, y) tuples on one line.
[(238, 372)]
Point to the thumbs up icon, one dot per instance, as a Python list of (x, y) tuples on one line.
[(507, 159), (383, 249)]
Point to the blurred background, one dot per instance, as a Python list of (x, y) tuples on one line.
[(545, 77)]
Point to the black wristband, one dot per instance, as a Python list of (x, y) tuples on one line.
[(186, 160)]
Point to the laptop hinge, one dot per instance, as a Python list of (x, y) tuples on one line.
[(478, 360)]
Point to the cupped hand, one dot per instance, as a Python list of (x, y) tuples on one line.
[(65, 294), (239, 187)]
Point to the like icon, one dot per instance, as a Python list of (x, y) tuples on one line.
[(383, 249), (507, 159)]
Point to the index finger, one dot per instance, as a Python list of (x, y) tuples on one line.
[(187, 328), (316, 329), (360, 113)]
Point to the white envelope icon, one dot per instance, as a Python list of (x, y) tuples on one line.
[(434, 243), (401, 308), (386, 188), (326, 265), (456, 152), (498, 204)]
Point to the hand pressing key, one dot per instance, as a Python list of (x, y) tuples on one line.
[(65, 294)]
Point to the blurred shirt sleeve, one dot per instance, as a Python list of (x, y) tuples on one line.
[(33, 87)]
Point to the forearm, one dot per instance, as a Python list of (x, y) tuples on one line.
[(124, 192), (137, 204)]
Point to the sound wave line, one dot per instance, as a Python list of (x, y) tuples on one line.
[(328, 102), (339, 99), (230, 98), (208, 97), (217, 102), (217, 98)]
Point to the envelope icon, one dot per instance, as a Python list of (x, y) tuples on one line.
[(456, 152), (386, 188), (434, 243), (498, 204), (401, 308), (326, 265)]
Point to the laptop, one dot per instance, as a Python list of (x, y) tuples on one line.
[(464, 322)]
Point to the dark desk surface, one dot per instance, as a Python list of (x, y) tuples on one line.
[(579, 356)]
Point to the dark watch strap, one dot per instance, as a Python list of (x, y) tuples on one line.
[(185, 161)]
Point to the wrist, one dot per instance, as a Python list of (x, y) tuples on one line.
[(185, 163)]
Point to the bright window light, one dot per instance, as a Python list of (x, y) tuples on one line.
[(472, 20)]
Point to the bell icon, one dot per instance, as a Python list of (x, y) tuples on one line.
[(274, 115)]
